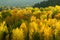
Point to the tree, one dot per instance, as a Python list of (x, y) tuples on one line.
[(47, 3)]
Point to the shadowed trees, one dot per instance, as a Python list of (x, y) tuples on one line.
[(47, 3)]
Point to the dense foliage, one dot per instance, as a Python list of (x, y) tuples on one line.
[(30, 23), (47, 3)]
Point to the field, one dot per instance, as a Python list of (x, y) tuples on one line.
[(30, 23)]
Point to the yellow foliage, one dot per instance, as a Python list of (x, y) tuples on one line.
[(3, 27), (37, 20), (23, 27), (17, 34), (33, 18)]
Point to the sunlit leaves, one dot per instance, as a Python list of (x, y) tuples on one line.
[(31, 23)]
